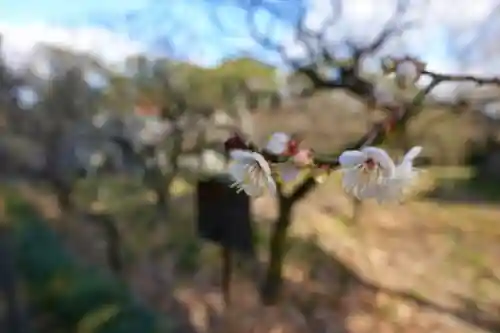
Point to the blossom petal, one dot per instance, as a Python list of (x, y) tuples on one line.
[(251, 173), (237, 171), (262, 163), (240, 154), (351, 158), (405, 169), (391, 186), (381, 157), (243, 181), (278, 143), (384, 93), (412, 154), (266, 174), (303, 157), (407, 71), (393, 190), (271, 185), (350, 180)]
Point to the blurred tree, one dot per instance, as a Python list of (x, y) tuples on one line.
[(210, 86), (67, 103), (75, 298), (9, 85), (325, 69), (118, 94)]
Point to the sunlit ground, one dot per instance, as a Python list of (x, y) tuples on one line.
[(443, 240), (442, 244)]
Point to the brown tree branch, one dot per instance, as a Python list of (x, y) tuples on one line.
[(349, 73), (378, 132), (349, 79), (392, 28), (440, 77), (271, 286)]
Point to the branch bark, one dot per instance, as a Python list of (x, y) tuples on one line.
[(350, 80), (114, 247)]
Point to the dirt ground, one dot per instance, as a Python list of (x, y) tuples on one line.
[(429, 265)]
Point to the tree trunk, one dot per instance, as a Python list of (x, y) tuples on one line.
[(114, 255), (162, 200), (64, 198), (271, 289), (163, 195), (114, 249), (227, 272)]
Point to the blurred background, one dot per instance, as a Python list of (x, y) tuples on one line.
[(110, 113)]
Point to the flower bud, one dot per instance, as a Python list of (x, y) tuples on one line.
[(278, 143), (407, 73), (303, 158)]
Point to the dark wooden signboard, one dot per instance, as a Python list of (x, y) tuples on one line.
[(224, 216)]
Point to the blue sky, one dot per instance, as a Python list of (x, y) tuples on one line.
[(191, 27), (57, 10)]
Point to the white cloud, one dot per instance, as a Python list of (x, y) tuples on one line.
[(20, 42)]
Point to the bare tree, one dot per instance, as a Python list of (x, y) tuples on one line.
[(349, 79), (9, 85), (66, 104), (158, 146)]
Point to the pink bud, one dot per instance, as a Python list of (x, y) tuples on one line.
[(303, 157)]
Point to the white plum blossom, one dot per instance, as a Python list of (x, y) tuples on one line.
[(397, 186), (407, 70), (365, 168), (278, 143), (371, 173), (250, 173), (407, 73), (291, 170), (384, 93), (398, 84), (388, 92), (282, 144)]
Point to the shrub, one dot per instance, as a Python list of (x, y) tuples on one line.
[(76, 298)]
